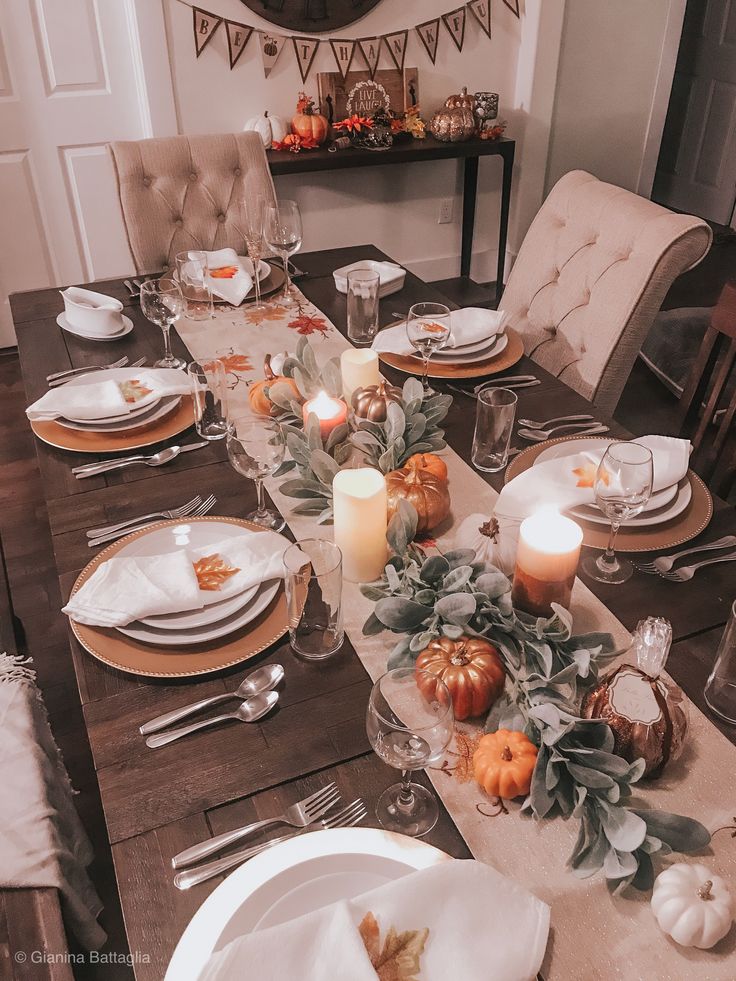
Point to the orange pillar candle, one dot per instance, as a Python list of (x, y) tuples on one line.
[(330, 412), (546, 562)]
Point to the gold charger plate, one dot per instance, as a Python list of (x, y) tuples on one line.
[(687, 525), (269, 285), (175, 422), (133, 657), (512, 353)]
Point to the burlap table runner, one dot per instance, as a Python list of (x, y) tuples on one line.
[(593, 935)]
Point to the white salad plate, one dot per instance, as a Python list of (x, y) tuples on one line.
[(126, 328), (201, 618), (471, 348), (294, 878), (144, 418), (117, 375), (490, 350)]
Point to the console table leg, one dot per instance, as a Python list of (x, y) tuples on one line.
[(470, 190), (503, 225)]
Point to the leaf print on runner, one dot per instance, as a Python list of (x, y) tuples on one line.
[(398, 959), (134, 390), (212, 571), (304, 324), (271, 314), (236, 362)]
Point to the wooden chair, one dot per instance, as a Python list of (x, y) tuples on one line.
[(714, 453), (30, 919)]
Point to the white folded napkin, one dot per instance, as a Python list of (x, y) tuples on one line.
[(125, 588), (468, 326), (235, 288), (471, 923), (101, 399)]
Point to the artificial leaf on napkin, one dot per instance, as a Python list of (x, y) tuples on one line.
[(127, 588), (227, 277), (458, 919), (468, 326), (102, 399)]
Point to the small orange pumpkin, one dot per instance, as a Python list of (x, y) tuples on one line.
[(504, 762), (430, 462), (258, 392), (470, 667), (308, 123), (426, 492)]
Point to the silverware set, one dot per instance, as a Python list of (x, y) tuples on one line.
[(109, 533), (664, 565), (544, 431), (62, 377), (134, 287), (511, 381), (153, 460)]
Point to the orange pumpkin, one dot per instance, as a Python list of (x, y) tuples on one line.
[(258, 392), (309, 124), (470, 667), (504, 762), (429, 461), (426, 492)]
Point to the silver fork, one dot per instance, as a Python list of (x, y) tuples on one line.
[(352, 814), (57, 382), (93, 367), (204, 507), (686, 572), (665, 562), (299, 815), (521, 381), (172, 514), (532, 424)]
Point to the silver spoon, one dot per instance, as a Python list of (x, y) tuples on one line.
[(265, 678), (532, 424), (582, 429), (250, 710), (155, 460)]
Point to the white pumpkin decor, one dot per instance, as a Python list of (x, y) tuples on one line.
[(491, 545), (271, 129), (278, 361), (692, 905)]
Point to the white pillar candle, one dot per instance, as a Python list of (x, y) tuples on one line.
[(546, 562), (360, 505), (359, 368)]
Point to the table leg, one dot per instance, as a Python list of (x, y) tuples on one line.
[(470, 190), (503, 225)]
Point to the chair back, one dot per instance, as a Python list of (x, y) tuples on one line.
[(185, 192), (590, 277), (708, 402)]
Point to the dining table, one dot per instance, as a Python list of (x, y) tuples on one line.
[(157, 803)]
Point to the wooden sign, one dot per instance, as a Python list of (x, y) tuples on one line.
[(360, 93)]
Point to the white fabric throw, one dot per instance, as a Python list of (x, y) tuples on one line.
[(480, 926), (468, 326), (127, 588), (235, 288), (101, 399)]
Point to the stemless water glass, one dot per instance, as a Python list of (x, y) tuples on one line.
[(428, 330), (282, 230), (163, 304), (494, 422), (192, 272), (409, 722), (314, 597), (254, 208), (622, 487), (720, 688), (209, 392), (363, 287), (256, 450)]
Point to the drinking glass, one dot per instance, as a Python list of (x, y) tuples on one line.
[(720, 688), (362, 305), (495, 410), (163, 304), (209, 392), (256, 450), (622, 487), (409, 722), (254, 208), (282, 230), (428, 330), (192, 272), (314, 597)]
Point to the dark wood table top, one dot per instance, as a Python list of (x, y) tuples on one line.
[(158, 802)]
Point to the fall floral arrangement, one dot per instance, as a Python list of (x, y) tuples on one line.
[(309, 128)]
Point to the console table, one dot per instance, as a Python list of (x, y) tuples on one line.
[(283, 163)]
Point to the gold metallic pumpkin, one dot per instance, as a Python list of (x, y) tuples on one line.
[(427, 493), (372, 402), (456, 122)]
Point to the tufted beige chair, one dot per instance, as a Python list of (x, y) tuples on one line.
[(185, 192), (590, 277)]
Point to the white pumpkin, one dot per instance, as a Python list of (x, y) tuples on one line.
[(692, 905), (491, 545), (271, 129), (278, 360)]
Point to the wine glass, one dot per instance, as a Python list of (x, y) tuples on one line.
[(256, 450), (282, 231), (428, 330), (163, 304), (254, 208), (622, 487), (409, 722)]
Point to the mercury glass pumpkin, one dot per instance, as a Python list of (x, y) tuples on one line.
[(455, 122), (372, 401)]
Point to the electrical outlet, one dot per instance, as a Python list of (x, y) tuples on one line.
[(445, 215)]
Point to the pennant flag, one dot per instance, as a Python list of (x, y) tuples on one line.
[(205, 25), (481, 10), (306, 49), (271, 47), (455, 24), (343, 51), (429, 33), (513, 6), (371, 50), (238, 36), (396, 44)]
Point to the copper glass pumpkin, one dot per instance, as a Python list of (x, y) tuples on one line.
[(455, 122), (427, 493), (373, 401)]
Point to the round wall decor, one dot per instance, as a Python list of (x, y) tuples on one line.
[(312, 16)]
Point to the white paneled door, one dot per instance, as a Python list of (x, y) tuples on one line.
[(71, 79)]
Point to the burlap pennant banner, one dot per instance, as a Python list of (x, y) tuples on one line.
[(344, 51), (396, 47), (238, 36), (305, 49), (455, 24), (370, 48), (205, 24), (481, 10), (429, 35), (271, 47), (513, 6)]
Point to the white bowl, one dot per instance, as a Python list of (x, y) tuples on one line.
[(92, 313), (391, 277)]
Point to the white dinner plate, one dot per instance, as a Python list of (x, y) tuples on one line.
[(473, 348), (149, 415), (450, 357), (294, 878), (126, 328), (201, 618), (204, 634), (117, 375)]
